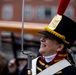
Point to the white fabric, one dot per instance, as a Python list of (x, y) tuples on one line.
[(55, 68), (34, 61), (49, 58), (52, 69)]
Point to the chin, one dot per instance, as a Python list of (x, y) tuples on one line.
[(41, 51)]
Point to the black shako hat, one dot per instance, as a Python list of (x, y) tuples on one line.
[(65, 30), (61, 27)]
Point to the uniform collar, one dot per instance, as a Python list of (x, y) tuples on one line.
[(54, 58), (49, 58)]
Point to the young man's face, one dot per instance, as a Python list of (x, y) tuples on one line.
[(48, 46)]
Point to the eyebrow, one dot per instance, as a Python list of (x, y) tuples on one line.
[(48, 37)]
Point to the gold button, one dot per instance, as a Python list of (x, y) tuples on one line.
[(46, 66)]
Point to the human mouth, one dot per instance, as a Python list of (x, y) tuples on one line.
[(43, 45)]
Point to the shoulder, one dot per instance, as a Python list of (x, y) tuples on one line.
[(70, 70)]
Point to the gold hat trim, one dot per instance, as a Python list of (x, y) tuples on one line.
[(55, 21), (56, 34)]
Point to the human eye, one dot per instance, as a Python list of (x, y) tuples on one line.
[(47, 37)]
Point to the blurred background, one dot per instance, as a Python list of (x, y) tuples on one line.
[(37, 13)]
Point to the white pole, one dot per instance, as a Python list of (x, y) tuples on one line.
[(22, 33)]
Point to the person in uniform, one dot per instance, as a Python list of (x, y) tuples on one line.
[(57, 39)]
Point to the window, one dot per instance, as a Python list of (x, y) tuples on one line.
[(70, 12), (53, 11), (40, 12), (28, 12), (7, 12), (46, 13)]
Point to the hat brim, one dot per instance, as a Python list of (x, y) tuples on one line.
[(51, 35), (48, 34)]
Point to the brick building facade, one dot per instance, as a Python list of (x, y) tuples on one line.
[(40, 11)]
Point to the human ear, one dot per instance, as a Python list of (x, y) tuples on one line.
[(60, 47)]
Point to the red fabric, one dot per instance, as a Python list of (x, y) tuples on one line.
[(60, 55), (62, 6)]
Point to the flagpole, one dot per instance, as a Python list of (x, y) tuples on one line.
[(22, 32), (29, 54)]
